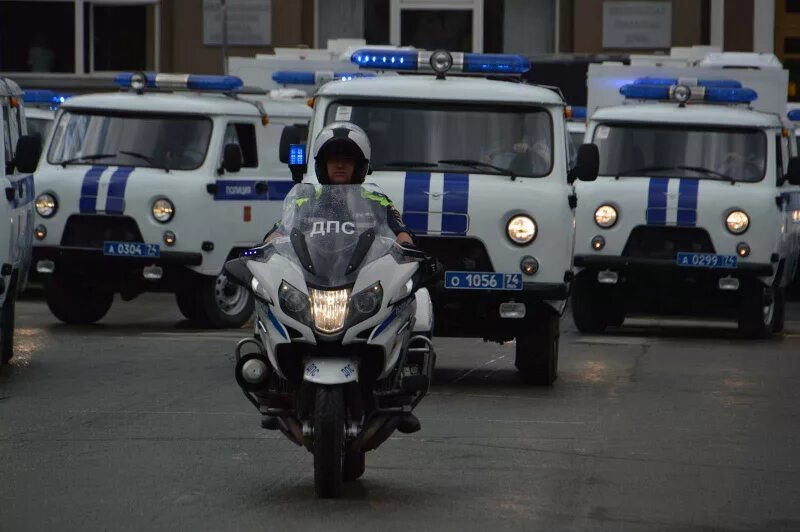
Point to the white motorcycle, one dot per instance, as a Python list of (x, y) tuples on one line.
[(341, 353)]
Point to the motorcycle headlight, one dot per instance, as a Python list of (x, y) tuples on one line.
[(605, 216), (521, 229), (46, 205), (294, 303), (163, 210), (365, 304), (737, 222), (329, 309)]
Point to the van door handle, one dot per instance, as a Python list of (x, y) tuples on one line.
[(11, 193), (573, 200)]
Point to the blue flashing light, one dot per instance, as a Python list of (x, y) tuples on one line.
[(794, 115), (193, 82), (708, 83), (293, 78), (297, 154), (43, 96), (285, 77), (645, 92), (579, 112), (496, 64), (385, 59), (640, 91)]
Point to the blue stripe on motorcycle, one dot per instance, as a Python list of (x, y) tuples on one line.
[(91, 182), (115, 202), (415, 201), (656, 213), (275, 323), (455, 204), (687, 202)]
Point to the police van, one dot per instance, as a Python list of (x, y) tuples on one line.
[(697, 207), (153, 188), (19, 153), (40, 110), (479, 170)]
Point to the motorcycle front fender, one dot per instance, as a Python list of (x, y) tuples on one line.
[(330, 371)]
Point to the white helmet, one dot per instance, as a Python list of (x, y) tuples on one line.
[(342, 138)]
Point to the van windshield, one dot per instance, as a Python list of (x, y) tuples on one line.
[(442, 136), (643, 150), (173, 142)]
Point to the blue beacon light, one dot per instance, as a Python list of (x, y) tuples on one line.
[(284, 77), (714, 91), (578, 112), (794, 115), (410, 60), (196, 82), (43, 96)]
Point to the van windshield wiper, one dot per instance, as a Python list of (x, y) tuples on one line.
[(149, 160), (698, 169), (474, 163), (401, 164), (92, 157)]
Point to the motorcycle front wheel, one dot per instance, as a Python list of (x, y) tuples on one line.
[(328, 441)]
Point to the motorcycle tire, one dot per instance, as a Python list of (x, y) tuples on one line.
[(76, 302), (7, 324), (354, 465), (328, 441)]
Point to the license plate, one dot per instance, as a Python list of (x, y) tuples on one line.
[(482, 281), (131, 249), (707, 260)]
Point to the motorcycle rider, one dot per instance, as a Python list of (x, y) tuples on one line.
[(341, 157)]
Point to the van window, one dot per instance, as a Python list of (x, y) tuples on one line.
[(245, 136)]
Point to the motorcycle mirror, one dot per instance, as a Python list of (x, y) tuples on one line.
[(237, 271)]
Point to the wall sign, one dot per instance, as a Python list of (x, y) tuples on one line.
[(639, 25), (249, 22)]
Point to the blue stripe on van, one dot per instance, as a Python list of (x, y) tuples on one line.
[(455, 203), (91, 182), (687, 202), (656, 213), (115, 202), (415, 201)]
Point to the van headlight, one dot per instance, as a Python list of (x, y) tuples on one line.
[(46, 205), (605, 216), (737, 222), (521, 229), (329, 309), (163, 210)]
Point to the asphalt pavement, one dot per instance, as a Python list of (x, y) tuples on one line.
[(137, 424)]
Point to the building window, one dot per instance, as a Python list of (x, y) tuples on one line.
[(121, 37), (377, 14), (37, 36), (437, 29)]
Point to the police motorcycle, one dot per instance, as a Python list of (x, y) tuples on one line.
[(338, 305), (697, 208), (153, 188), (19, 154), (480, 169)]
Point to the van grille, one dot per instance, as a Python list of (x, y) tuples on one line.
[(647, 241), (91, 230)]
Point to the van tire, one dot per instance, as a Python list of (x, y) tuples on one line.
[(222, 304), (76, 302), (756, 315), (588, 311), (537, 352), (188, 304), (7, 323)]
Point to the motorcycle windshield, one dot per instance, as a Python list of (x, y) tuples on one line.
[(333, 231)]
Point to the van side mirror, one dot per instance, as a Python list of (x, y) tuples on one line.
[(236, 271), (232, 158), (793, 172), (29, 149), (587, 165)]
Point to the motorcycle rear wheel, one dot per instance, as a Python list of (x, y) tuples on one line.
[(328, 441)]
